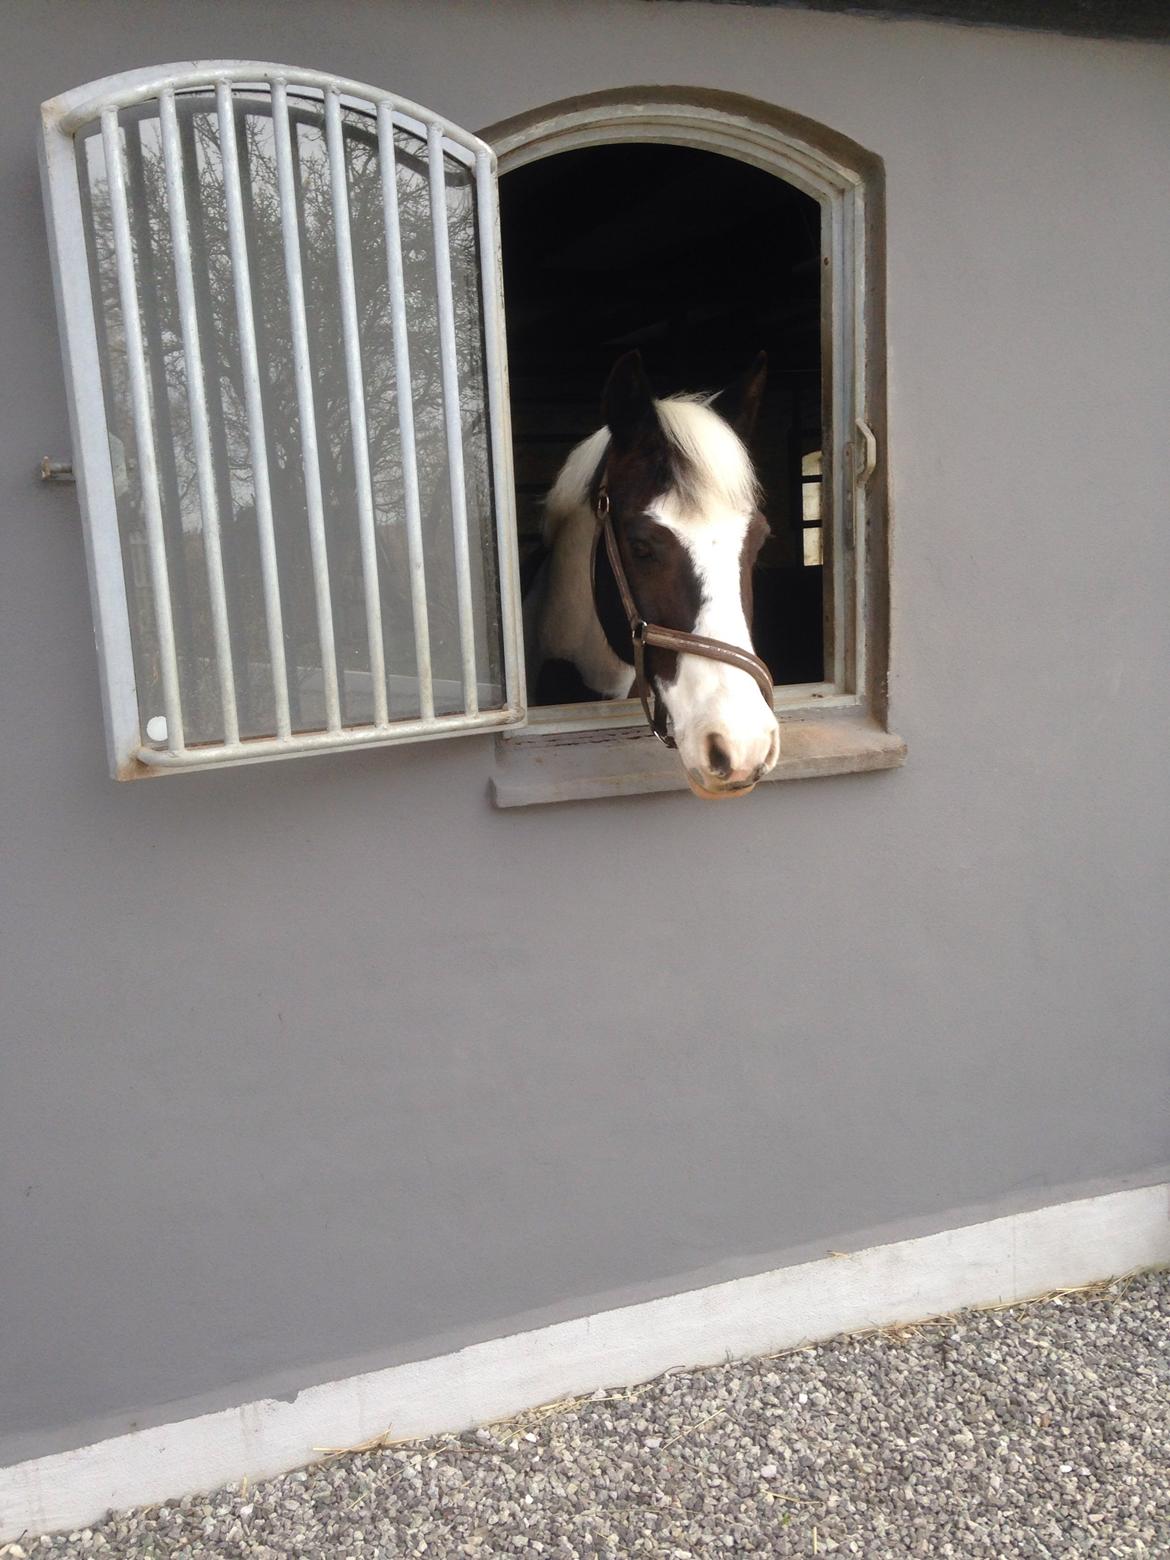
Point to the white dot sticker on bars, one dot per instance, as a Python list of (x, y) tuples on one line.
[(156, 728)]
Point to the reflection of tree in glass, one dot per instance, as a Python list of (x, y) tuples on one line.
[(223, 374)]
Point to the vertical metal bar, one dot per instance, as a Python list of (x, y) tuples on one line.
[(101, 313), (253, 402), (402, 382), (197, 405), (212, 325), (357, 401), (449, 365), (143, 429), (278, 419), (302, 369), (68, 209), (145, 234), (495, 364)]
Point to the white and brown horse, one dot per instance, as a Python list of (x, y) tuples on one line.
[(674, 479)]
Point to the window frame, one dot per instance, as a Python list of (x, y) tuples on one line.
[(131, 755), (839, 724)]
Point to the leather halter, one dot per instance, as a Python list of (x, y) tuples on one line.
[(643, 633)]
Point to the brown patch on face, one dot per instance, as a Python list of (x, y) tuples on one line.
[(658, 567), (755, 536)]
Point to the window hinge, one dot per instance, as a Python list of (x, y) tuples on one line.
[(56, 470)]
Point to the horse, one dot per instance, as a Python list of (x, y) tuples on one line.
[(672, 483)]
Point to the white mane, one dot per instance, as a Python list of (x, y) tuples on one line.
[(713, 471)]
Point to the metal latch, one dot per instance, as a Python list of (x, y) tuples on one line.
[(870, 452), (56, 470), (859, 467)]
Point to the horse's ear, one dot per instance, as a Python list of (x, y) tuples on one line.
[(739, 404), (627, 402)]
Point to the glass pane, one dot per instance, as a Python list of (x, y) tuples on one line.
[(184, 521), (810, 490), (813, 546)]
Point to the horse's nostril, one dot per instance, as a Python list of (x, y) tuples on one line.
[(718, 758)]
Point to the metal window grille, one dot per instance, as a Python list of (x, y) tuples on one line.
[(283, 336)]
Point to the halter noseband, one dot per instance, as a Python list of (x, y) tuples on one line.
[(643, 633)]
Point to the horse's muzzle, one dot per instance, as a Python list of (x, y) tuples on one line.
[(702, 786)]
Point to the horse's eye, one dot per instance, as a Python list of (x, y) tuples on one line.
[(641, 549)]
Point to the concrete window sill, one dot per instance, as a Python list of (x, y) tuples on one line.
[(534, 766)]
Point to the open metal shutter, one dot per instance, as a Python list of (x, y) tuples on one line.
[(147, 205)]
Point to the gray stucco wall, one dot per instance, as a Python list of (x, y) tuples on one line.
[(322, 1065)]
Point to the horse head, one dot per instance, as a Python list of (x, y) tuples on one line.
[(677, 489)]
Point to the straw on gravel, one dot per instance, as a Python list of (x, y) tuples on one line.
[(1040, 1430)]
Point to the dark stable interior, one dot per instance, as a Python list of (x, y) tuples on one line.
[(698, 260)]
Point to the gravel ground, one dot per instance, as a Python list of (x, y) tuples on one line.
[(1039, 1430)]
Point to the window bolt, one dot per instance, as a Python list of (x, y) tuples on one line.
[(56, 470)]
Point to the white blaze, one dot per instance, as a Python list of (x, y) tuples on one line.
[(710, 698)]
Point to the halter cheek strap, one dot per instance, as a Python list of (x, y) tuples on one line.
[(643, 633)]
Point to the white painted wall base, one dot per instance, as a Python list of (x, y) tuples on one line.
[(1003, 1259)]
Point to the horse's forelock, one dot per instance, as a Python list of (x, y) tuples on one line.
[(710, 467), (707, 468)]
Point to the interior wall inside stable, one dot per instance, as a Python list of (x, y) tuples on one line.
[(699, 261)]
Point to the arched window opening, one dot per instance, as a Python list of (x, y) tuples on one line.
[(702, 226), (699, 260)]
